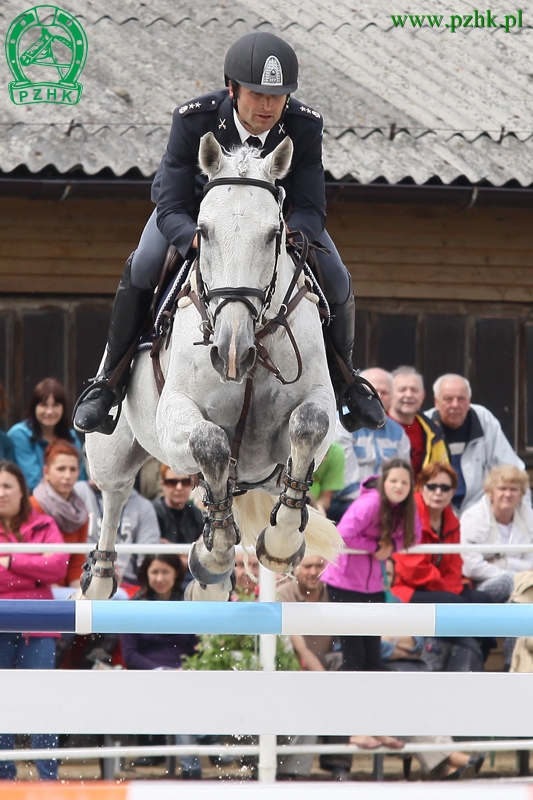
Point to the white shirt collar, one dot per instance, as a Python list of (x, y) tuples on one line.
[(244, 134)]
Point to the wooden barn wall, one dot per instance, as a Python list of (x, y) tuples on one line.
[(73, 247), (429, 252), (423, 252), (444, 289)]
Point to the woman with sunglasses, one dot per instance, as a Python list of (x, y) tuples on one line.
[(180, 522), (435, 578)]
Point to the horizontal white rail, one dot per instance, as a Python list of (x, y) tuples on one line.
[(183, 549), (380, 703), (87, 753)]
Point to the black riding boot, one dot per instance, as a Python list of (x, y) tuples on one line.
[(128, 318), (358, 402)]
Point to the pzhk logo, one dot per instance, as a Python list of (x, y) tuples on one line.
[(61, 45)]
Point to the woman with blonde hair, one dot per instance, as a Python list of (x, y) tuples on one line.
[(502, 516)]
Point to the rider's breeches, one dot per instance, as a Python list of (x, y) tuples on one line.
[(149, 258)]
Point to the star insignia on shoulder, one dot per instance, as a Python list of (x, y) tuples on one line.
[(310, 111), (197, 105)]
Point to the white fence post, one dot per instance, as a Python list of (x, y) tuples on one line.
[(267, 657)]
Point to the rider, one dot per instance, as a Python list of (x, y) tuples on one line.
[(261, 73)]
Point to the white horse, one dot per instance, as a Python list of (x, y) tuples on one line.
[(191, 425)]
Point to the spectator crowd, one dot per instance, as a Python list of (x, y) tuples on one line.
[(446, 475)]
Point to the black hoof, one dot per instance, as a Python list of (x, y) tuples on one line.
[(204, 575), (280, 565)]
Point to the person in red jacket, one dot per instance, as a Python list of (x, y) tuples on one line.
[(27, 576), (55, 495), (435, 578)]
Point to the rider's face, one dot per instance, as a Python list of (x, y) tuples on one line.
[(259, 112)]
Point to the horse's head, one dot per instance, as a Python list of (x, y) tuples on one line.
[(242, 234)]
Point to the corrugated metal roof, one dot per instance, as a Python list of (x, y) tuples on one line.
[(397, 102)]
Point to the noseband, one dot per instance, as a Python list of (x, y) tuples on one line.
[(241, 294)]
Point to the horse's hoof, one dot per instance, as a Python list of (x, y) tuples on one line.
[(274, 564), (215, 592), (206, 568)]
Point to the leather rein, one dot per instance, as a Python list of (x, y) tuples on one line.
[(201, 298)]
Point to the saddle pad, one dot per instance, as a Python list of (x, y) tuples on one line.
[(170, 295), (317, 289)]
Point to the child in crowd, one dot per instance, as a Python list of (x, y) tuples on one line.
[(381, 521)]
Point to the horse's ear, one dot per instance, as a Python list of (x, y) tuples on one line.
[(277, 164), (210, 155)]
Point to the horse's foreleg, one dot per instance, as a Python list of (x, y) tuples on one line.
[(98, 581), (212, 557), (281, 545), (113, 464)]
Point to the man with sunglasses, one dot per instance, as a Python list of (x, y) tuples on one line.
[(180, 522)]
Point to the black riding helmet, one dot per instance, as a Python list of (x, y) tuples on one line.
[(263, 63)]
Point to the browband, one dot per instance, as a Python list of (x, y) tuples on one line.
[(274, 190)]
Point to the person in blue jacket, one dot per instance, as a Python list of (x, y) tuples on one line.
[(48, 418)]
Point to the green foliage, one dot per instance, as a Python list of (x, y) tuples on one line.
[(241, 652)]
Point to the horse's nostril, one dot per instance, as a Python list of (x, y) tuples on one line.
[(216, 360), (249, 360)]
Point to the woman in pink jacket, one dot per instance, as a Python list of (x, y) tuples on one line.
[(381, 521), (27, 577)]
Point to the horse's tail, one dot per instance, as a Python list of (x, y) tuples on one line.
[(252, 514)]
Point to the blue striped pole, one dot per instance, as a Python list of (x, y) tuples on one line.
[(349, 619)]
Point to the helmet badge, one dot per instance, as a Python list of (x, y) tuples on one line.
[(272, 72)]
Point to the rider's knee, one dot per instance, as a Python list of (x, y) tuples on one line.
[(145, 270), (337, 279)]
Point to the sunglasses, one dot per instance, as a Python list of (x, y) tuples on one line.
[(185, 482), (444, 487)]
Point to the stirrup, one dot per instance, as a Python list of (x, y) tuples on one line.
[(110, 423)]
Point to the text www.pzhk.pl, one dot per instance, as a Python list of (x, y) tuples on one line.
[(477, 19)]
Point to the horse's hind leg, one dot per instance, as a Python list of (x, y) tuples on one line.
[(113, 464), (281, 545), (212, 557)]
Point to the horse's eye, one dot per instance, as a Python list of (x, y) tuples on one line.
[(202, 230), (271, 235)]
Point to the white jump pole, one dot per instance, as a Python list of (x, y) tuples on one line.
[(267, 654), (255, 703)]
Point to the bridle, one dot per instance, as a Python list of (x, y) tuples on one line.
[(240, 294), (201, 298)]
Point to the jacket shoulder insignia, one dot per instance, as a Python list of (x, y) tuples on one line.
[(304, 111), (205, 103)]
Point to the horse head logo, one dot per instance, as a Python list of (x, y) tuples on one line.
[(41, 40)]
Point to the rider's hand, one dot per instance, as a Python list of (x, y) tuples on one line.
[(383, 552), (195, 242)]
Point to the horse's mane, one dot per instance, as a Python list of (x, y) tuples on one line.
[(243, 157)]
